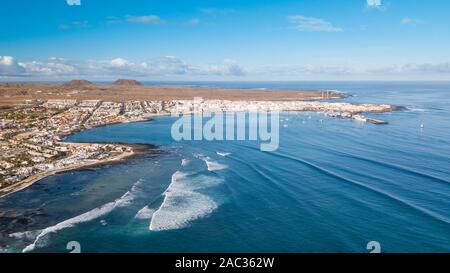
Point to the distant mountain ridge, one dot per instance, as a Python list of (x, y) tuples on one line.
[(78, 83), (127, 82)]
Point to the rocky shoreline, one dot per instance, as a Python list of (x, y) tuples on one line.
[(135, 151)]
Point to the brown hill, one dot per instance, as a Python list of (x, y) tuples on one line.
[(78, 82), (126, 82)]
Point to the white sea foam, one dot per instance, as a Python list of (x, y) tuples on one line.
[(85, 217), (184, 162), (210, 163), (213, 165), (182, 203), (412, 109), (93, 214), (223, 154), (130, 195), (26, 235), (145, 213)]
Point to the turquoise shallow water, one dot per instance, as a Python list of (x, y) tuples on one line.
[(332, 186)]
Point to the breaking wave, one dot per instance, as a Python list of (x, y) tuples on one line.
[(93, 214), (26, 235), (211, 164), (145, 213), (182, 202)]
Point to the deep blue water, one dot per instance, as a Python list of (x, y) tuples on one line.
[(332, 186)]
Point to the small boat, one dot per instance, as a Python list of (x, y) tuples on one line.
[(377, 121), (359, 118)]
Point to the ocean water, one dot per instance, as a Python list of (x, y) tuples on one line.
[(332, 186)]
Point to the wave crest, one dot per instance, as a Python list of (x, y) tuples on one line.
[(93, 214), (182, 203)]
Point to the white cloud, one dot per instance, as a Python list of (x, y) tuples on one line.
[(227, 68), (117, 66), (163, 66), (145, 20), (436, 71), (51, 67), (73, 2), (417, 69), (10, 67), (171, 67), (311, 24), (119, 62), (410, 21), (411, 71), (167, 66), (6, 61), (374, 3), (303, 70)]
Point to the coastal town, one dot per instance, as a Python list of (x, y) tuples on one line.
[(32, 134)]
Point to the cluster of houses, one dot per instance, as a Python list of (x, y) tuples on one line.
[(31, 143), (30, 136), (341, 110)]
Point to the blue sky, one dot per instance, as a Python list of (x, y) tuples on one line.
[(225, 40)]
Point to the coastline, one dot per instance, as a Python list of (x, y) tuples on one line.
[(186, 108), (136, 150)]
